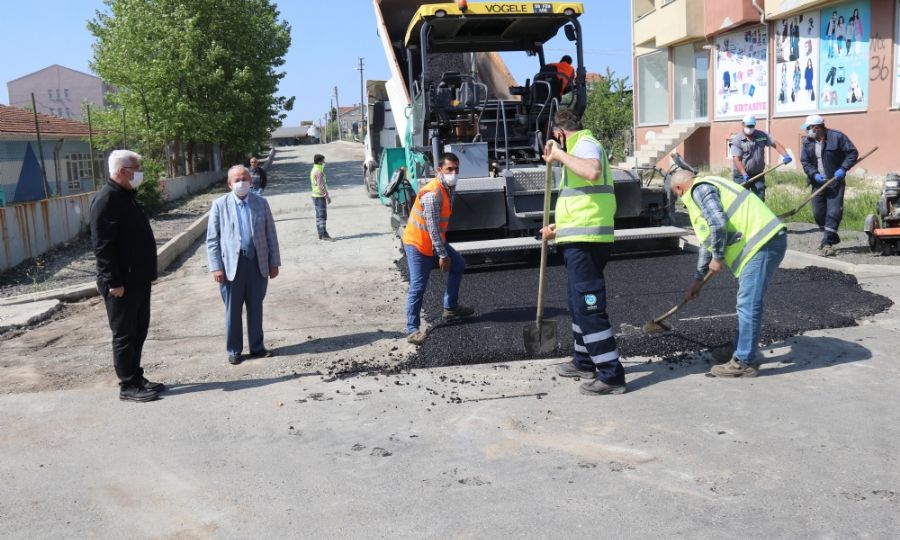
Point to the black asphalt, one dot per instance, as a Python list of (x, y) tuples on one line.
[(639, 289)]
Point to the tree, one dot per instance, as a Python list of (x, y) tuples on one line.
[(609, 113), (192, 71)]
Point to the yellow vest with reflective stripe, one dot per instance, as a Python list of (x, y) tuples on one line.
[(584, 209), (750, 223), (312, 179)]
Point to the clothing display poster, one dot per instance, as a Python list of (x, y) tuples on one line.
[(897, 55), (796, 63), (844, 56), (742, 74)]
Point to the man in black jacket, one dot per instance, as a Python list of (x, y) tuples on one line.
[(258, 179), (126, 264), (827, 153)]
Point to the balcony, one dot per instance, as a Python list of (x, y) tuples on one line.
[(724, 14), (779, 9), (672, 22)]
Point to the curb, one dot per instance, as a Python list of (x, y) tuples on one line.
[(165, 255)]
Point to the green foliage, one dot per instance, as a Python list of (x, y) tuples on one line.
[(609, 113), (191, 70), (150, 193), (332, 131)]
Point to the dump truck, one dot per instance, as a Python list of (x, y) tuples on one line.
[(450, 91)]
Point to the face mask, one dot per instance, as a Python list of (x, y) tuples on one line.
[(810, 133), (241, 189), (450, 179), (749, 130), (137, 179)]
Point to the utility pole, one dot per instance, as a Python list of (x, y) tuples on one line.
[(363, 112), (37, 129), (337, 115), (91, 144)]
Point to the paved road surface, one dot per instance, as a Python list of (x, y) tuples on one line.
[(269, 449)]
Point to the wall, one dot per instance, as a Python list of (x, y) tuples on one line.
[(13, 152), (30, 229), (81, 86)]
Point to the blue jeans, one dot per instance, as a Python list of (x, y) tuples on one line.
[(420, 267), (248, 288), (752, 284), (321, 215)]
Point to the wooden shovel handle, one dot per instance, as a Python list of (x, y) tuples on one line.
[(681, 304), (816, 193), (543, 273)]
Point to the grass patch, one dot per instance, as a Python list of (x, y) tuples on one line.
[(785, 190)]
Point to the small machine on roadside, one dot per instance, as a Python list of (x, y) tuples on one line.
[(883, 228)]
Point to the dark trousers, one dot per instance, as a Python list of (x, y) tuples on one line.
[(321, 215), (595, 342), (758, 187), (129, 319), (248, 288), (828, 209)]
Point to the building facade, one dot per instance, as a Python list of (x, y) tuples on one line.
[(58, 91), (65, 151), (701, 65)]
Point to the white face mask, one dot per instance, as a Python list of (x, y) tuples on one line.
[(241, 189), (136, 179), (810, 133), (450, 179), (749, 130)]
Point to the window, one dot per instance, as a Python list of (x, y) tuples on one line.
[(690, 80), (50, 93), (78, 169), (66, 93), (57, 93), (653, 88), (68, 113)]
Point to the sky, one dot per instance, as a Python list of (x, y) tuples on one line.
[(328, 37)]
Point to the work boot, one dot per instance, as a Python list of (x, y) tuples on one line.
[(827, 251), (417, 337), (722, 354), (735, 368), (600, 388), (153, 386), (458, 312), (137, 394), (326, 238), (569, 369)]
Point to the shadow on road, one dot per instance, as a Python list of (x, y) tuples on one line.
[(289, 176), (361, 235), (335, 343), (226, 386), (806, 353)]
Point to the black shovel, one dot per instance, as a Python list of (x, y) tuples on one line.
[(540, 336)]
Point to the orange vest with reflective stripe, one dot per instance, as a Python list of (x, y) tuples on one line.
[(416, 233)]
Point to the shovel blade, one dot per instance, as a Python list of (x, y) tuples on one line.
[(540, 338)]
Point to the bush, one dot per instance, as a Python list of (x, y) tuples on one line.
[(150, 193)]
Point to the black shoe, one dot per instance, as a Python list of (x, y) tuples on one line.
[(137, 394), (569, 369), (600, 388), (452, 314), (265, 353), (153, 386), (326, 238), (234, 359)]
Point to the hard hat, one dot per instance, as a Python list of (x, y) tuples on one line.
[(749, 120), (813, 120)]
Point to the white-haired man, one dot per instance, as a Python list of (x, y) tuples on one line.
[(126, 265), (242, 250)]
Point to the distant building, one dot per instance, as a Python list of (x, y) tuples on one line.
[(351, 121), (58, 91), (66, 157)]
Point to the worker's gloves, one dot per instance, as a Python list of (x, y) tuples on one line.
[(819, 178), (786, 159), (745, 178), (839, 174)]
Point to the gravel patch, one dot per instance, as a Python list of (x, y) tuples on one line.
[(72, 263)]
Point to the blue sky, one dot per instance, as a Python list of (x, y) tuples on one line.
[(328, 37)]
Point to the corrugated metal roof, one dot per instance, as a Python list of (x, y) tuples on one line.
[(14, 120)]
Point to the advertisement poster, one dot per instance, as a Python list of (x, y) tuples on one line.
[(796, 63), (897, 56), (742, 74), (844, 57)]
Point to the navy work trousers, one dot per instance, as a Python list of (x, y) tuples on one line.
[(828, 209), (247, 288), (129, 320), (595, 343), (321, 215)]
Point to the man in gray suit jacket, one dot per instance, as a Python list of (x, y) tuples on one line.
[(242, 248)]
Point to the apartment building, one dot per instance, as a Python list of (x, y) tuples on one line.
[(58, 91), (701, 65)]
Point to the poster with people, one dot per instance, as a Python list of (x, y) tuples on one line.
[(796, 63), (742, 74), (844, 56), (897, 55)]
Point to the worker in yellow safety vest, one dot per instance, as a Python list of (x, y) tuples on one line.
[(425, 242), (583, 232), (737, 230), (320, 196)]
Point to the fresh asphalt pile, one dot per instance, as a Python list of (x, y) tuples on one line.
[(639, 289)]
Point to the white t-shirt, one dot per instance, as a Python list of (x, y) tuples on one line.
[(586, 149)]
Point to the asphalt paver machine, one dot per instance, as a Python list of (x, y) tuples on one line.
[(450, 91)]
